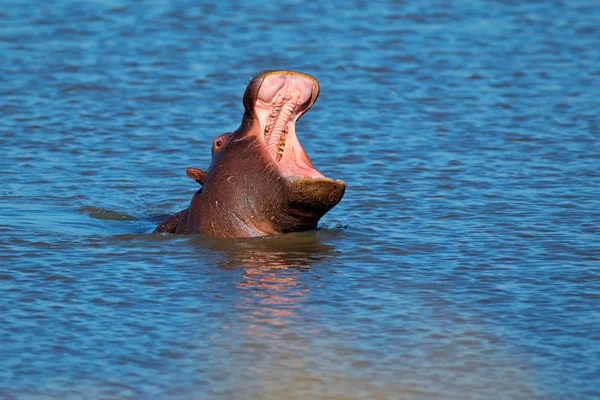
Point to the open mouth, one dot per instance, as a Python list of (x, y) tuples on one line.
[(281, 99)]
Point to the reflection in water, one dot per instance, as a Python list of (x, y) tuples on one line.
[(288, 337), (277, 324), (258, 256), (271, 269)]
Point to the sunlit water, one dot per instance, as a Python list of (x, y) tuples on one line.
[(463, 261)]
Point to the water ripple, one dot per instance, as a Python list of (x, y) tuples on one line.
[(464, 257)]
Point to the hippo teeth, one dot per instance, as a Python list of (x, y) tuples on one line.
[(281, 146)]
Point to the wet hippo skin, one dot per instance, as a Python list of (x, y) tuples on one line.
[(261, 181)]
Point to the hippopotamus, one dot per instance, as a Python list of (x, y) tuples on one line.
[(260, 180)]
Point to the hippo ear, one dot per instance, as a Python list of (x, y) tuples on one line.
[(196, 174)]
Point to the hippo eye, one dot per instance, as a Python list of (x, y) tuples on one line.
[(219, 143)]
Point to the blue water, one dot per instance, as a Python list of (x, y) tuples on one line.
[(463, 261)]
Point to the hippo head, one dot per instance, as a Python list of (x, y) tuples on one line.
[(261, 181)]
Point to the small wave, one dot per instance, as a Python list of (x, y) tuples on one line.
[(101, 213)]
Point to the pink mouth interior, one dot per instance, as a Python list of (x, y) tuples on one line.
[(281, 100)]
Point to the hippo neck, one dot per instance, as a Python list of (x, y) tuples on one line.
[(240, 194)]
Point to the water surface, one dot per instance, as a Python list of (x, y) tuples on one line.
[(463, 261)]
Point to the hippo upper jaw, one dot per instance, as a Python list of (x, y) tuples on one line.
[(274, 101)]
